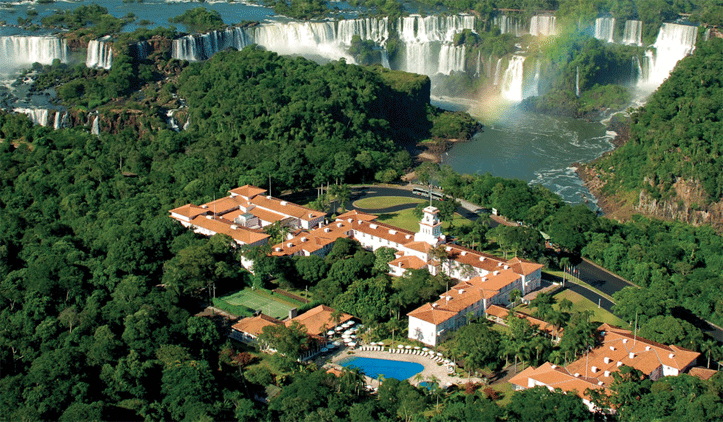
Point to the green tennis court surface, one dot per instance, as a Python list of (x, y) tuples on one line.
[(260, 300)]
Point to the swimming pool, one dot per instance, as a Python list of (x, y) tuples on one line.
[(387, 368)]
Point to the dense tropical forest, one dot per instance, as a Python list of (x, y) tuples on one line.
[(98, 286), (672, 162)]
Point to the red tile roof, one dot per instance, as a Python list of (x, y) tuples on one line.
[(311, 241), (189, 211), (247, 191), (240, 234), (318, 320), (407, 262), (255, 325), (286, 208)]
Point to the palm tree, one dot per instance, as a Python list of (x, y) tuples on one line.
[(418, 378), (565, 305), (434, 388), (515, 295), (439, 255), (707, 347)]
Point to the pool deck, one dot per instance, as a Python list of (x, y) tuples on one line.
[(430, 367)]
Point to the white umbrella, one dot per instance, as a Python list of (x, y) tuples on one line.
[(425, 349), (352, 344), (337, 329), (330, 333), (408, 347), (416, 348), (350, 322), (439, 354), (337, 343), (400, 346)]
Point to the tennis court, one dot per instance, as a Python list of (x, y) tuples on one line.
[(260, 300)]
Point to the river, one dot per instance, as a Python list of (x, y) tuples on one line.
[(533, 147)]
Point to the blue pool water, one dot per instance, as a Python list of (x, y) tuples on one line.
[(387, 368)]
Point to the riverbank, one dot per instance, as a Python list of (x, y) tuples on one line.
[(616, 207)]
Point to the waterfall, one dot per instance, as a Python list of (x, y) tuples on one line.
[(577, 81), (498, 68), (479, 64), (100, 54), (95, 129), (140, 50), (385, 59), (417, 58), (451, 59), (535, 88), (373, 29), (633, 34), (542, 25), (418, 29), (20, 51), (38, 116), (328, 39), (605, 29), (426, 46), (513, 79), (674, 42), (61, 120), (508, 25)]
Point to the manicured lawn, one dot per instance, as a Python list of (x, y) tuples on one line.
[(581, 304), (406, 220), (380, 202)]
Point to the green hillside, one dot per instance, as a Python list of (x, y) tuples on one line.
[(674, 154)]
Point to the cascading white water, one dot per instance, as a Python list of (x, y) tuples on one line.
[(426, 47), (373, 29), (535, 88), (543, 25), (417, 58), (577, 81), (509, 25), (38, 116), (451, 59), (633, 34), (95, 129), (418, 29), (498, 68), (99, 54), (140, 50), (385, 60), (605, 29), (61, 120), (674, 42), (479, 64), (327, 39), (21, 51), (512, 88)]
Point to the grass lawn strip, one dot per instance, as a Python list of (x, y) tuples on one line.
[(380, 202), (405, 219), (581, 304)]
